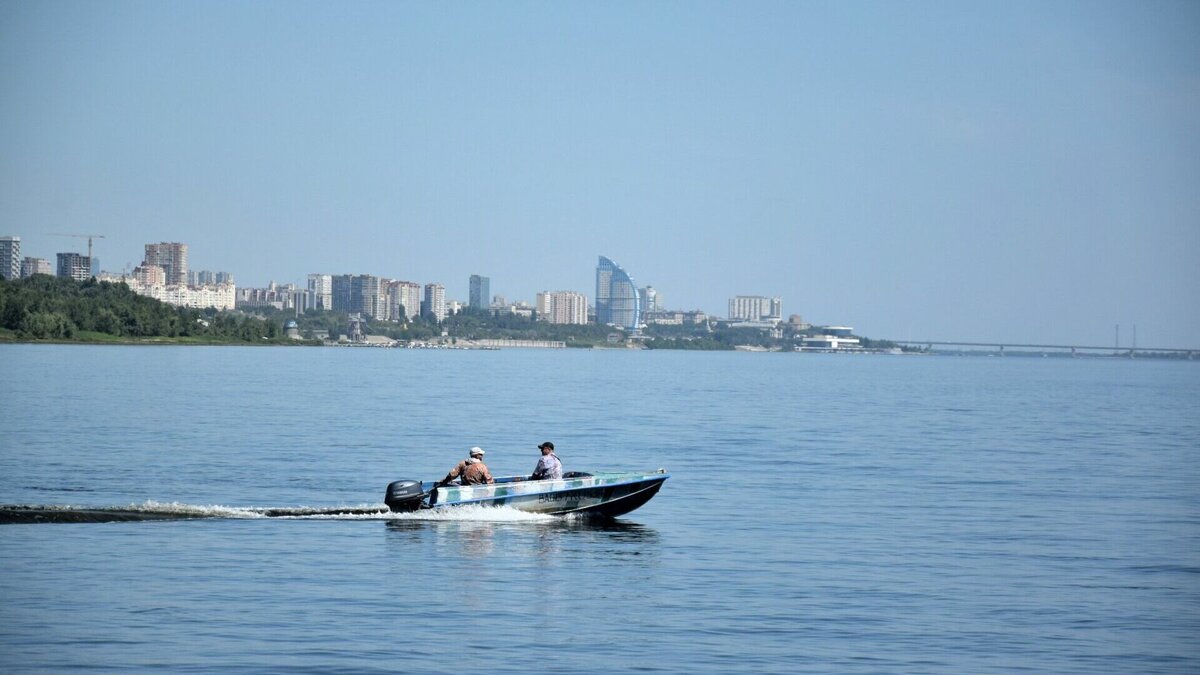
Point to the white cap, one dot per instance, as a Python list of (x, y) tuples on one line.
[(476, 451)]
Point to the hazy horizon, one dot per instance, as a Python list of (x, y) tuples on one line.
[(1017, 172)]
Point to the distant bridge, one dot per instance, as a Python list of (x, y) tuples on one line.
[(1073, 349)]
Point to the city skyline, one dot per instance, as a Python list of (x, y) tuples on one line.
[(1016, 172), (556, 307), (166, 263)]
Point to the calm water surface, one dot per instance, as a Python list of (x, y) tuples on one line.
[(825, 513)]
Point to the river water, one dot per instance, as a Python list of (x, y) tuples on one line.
[(825, 513)]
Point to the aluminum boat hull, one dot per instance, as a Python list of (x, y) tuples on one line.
[(605, 495)]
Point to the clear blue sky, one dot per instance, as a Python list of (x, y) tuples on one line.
[(1019, 171)]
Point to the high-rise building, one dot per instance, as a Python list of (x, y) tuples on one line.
[(358, 294), (480, 292), (367, 297), (74, 266), (173, 258), (32, 266), (755, 308), (340, 290), (435, 301), (10, 257), (562, 307), (618, 301), (404, 300), (650, 300), (321, 286)]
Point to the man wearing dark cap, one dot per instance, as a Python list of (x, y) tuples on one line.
[(548, 467)]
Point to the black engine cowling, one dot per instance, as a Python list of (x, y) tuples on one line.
[(403, 495)]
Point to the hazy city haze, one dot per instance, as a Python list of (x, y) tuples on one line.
[(1016, 171)]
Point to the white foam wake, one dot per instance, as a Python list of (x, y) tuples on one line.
[(466, 513), (470, 512), (196, 511)]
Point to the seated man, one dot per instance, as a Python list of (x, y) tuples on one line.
[(472, 470), (548, 467)]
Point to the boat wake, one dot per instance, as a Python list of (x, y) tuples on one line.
[(488, 514), (152, 510)]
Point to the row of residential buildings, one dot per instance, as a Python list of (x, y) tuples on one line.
[(163, 274), (14, 266), (377, 297)]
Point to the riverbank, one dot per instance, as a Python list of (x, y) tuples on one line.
[(8, 336)]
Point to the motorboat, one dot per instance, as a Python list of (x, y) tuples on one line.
[(605, 495)]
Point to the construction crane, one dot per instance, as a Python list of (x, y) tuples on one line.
[(89, 238)]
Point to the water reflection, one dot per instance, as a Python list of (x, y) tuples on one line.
[(471, 538), (615, 530), (474, 538), (610, 538), (478, 538)]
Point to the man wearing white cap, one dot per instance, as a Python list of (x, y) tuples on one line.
[(472, 469)]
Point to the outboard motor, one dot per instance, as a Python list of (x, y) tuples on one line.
[(404, 495)]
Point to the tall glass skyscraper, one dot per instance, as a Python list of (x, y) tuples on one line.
[(617, 299), (481, 290)]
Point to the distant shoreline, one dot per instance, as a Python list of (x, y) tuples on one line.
[(9, 338), (1124, 354)]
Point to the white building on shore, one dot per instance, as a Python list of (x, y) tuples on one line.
[(148, 280), (755, 308)]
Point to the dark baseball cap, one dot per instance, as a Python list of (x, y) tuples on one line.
[(547, 444)]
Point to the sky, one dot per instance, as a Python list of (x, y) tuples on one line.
[(1002, 171)]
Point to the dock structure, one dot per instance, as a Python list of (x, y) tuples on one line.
[(1073, 350)]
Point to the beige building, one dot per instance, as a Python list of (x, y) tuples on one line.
[(566, 307), (172, 257), (403, 298), (32, 266), (435, 301), (150, 275), (321, 286), (755, 308)]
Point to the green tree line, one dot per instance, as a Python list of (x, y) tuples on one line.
[(43, 307)]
